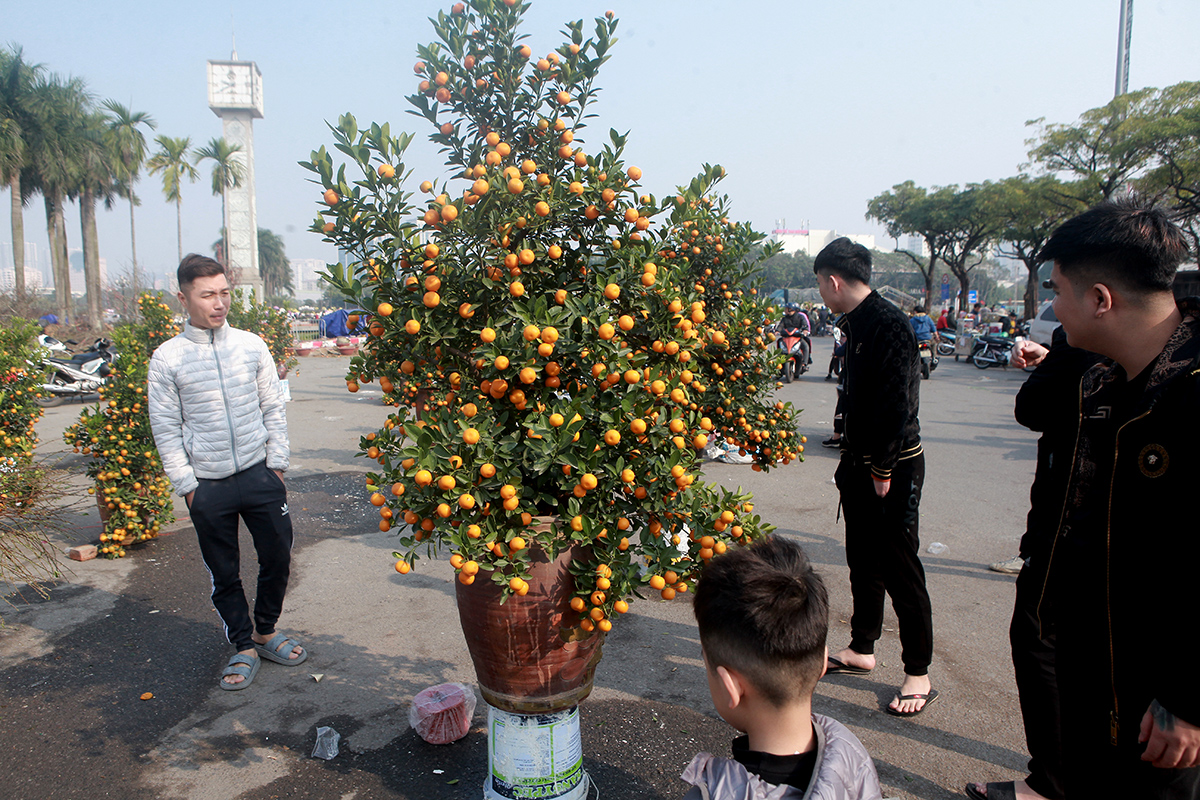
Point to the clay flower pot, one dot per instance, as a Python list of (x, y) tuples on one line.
[(530, 655)]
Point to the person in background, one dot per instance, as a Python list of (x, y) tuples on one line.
[(880, 474), (763, 616), (922, 325)]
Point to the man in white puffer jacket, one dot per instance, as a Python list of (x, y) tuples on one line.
[(219, 424)]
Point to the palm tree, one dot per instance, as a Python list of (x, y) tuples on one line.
[(17, 81), (96, 180), (59, 107), (227, 173), (130, 145), (172, 161)]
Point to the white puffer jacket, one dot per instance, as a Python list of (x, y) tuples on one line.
[(215, 405)]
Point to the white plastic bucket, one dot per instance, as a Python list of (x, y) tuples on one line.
[(536, 757)]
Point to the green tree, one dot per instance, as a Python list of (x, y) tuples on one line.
[(273, 265), (173, 160), (227, 171), (1105, 148), (909, 210), (17, 81), (1028, 209), (129, 144), (60, 107), (1174, 136)]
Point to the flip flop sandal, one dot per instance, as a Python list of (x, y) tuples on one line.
[(995, 791), (928, 698), (243, 665), (277, 649), (835, 666)]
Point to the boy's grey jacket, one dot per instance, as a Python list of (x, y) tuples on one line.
[(215, 405), (843, 771)]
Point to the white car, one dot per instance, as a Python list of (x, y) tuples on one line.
[(1043, 324)]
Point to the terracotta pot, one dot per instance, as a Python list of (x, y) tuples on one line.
[(348, 351), (105, 511), (530, 655), (304, 352)]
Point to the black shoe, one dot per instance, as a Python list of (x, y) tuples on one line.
[(832, 441), (829, 377)]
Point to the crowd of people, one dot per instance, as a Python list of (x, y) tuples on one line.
[(1101, 654)]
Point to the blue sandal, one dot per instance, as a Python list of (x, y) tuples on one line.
[(243, 665), (278, 648)]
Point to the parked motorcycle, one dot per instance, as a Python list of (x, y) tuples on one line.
[(946, 340), (795, 342), (929, 357), (992, 351), (78, 375)]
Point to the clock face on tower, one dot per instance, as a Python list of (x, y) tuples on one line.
[(235, 85)]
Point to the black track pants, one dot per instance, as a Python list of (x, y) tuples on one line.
[(257, 495), (881, 551), (1037, 684)]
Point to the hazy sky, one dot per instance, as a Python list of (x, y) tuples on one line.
[(813, 107)]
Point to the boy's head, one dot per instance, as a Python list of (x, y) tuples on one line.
[(764, 613), (843, 271)]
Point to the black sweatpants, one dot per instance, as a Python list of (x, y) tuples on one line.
[(258, 495), (882, 553), (1037, 683)]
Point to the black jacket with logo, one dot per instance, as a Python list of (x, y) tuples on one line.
[(1125, 555), (883, 383)]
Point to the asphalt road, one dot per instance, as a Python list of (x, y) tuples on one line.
[(73, 667)]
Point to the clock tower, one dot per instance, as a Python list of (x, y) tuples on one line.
[(235, 95)]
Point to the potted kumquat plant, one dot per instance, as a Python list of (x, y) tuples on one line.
[(567, 345)]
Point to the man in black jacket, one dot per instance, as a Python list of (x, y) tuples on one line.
[(880, 475), (1122, 568), (1048, 403)]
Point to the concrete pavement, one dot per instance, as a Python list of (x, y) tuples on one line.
[(72, 667)]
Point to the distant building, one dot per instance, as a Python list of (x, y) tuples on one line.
[(305, 275), (8, 280), (811, 242)]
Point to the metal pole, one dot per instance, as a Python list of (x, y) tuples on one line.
[(1124, 36)]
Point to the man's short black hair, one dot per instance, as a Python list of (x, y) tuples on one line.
[(195, 266), (845, 259), (919, 310), (1127, 243), (763, 611)]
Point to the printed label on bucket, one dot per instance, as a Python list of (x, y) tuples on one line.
[(534, 757)]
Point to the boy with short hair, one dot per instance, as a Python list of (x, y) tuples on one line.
[(763, 615)]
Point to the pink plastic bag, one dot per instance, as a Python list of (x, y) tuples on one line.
[(442, 714)]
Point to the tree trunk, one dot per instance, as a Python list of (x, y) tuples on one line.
[(133, 253), (91, 259), (929, 284), (18, 237), (179, 224), (964, 290), (61, 268), (1032, 284)]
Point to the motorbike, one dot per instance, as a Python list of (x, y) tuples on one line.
[(946, 339), (796, 344), (929, 357), (992, 351), (77, 375)]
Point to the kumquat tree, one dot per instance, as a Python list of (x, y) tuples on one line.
[(269, 322), (567, 342), (19, 384), (134, 492)]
